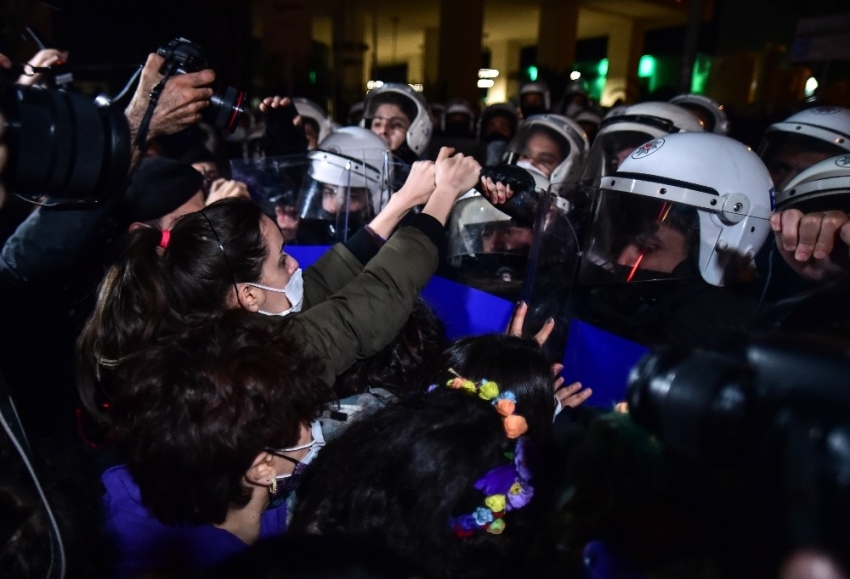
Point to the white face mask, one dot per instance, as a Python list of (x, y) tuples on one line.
[(314, 445), (288, 482), (294, 292)]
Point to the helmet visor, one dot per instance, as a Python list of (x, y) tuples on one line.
[(539, 145), (786, 154), (610, 150), (635, 238), (486, 248), (272, 181)]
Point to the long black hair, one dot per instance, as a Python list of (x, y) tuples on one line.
[(404, 472), (150, 292)]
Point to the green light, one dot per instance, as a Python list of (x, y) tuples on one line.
[(702, 70), (532, 73), (602, 69), (312, 77), (646, 67)]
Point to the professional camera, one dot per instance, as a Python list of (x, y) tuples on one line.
[(227, 103), (61, 144), (775, 415)]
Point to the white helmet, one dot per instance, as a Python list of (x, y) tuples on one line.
[(619, 135), (309, 109), (822, 187), (414, 106), (573, 89), (691, 201), (538, 87), (708, 110), (565, 132), (355, 162), (355, 114), (804, 139), (458, 106)]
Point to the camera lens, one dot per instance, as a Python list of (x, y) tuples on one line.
[(227, 105), (696, 403), (62, 144)]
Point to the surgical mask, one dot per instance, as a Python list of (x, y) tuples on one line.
[(294, 292), (541, 181), (288, 482)]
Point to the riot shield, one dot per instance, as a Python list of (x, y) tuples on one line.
[(274, 183), (341, 192)]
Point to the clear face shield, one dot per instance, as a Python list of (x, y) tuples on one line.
[(550, 273), (786, 155), (634, 238), (609, 150), (487, 249), (340, 193), (537, 147), (274, 184)]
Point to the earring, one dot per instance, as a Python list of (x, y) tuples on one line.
[(273, 488)]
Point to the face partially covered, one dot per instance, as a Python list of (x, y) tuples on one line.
[(661, 250), (391, 124), (543, 152), (277, 269), (334, 199), (788, 163)]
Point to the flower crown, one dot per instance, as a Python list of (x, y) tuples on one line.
[(506, 487)]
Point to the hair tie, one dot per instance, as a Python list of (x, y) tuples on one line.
[(166, 237)]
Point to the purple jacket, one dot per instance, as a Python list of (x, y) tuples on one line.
[(146, 545)]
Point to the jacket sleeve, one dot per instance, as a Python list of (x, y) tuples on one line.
[(46, 245), (338, 266), (364, 316)]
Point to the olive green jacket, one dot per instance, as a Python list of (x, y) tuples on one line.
[(352, 312)]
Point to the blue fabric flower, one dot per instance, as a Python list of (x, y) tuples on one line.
[(466, 522), (483, 516), (505, 395)]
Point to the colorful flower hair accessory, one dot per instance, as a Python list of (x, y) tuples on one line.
[(505, 487), (505, 402)]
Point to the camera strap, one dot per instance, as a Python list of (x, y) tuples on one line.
[(142, 135)]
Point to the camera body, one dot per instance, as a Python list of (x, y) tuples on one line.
[(227, 104), (775, 415)]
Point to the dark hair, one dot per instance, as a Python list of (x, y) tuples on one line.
[(197, 408), (401, 365), (556, 137), (515, 364), (149, 292), (404, 472), (26, 548), (406, 105)]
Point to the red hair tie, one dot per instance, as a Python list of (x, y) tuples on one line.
[(166, 237)]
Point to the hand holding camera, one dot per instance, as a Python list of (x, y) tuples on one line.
[(180, 103)]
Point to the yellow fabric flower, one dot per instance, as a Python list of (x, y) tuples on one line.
[(495, 503), (489, 390), (469, 386), (496, 527)]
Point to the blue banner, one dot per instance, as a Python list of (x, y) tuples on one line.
[(598, 359)]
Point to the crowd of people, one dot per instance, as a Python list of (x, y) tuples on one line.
[(196, 404)]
